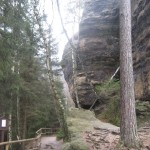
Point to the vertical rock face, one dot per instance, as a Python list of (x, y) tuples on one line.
[(98, 52), (67, 65), (141, 49), (98, 55), (98, 39)]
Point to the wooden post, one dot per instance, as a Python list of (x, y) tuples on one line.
[(2, 140), (7, 147)]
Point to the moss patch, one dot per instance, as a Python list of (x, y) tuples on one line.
[(79, 121), (75, 145), (109, 95)]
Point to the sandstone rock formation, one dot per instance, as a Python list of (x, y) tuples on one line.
[(141, 53), (97, 54)]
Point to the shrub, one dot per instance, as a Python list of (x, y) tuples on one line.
[(112, 112), (60, 134), (110, 93)]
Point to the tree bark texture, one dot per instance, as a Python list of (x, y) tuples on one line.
[(24, 128), (128, 126)]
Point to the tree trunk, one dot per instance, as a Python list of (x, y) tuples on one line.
[(10, 128), (18, 117), (128, 127), (24, 128), (58, 103)]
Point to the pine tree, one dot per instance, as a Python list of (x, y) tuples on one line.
[(23, 79), (47, 47), (129, 135)]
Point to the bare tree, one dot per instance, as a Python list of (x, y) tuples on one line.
[(129, 135)]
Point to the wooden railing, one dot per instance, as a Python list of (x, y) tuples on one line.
[(35, 143), (47, 131)]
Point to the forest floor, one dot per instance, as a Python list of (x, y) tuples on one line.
[(89, 133), (108, 139)]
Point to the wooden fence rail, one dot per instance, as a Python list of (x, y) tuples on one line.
[(36, 142), (47, 131)]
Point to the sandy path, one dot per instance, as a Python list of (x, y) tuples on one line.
[(50, 143)]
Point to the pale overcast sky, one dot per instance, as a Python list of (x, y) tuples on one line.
[(57, 28)]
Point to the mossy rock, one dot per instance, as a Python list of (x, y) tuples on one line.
[(75, 145), (142, 108), (81, 113), (79, 145), (79, 121), (66, 146)]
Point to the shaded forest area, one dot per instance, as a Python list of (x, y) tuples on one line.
[(30, 89), (25, 94)]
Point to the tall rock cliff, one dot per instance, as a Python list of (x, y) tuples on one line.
[(97, 54), (141, 54), (141, 49)]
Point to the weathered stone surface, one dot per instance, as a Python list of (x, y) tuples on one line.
[(143, 108), (141, 49), (98, 52), (67, 64)]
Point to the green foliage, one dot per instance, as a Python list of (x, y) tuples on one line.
[(76, 145), (143, 112), (66, 146), (24, 88), (59, 86), (79, 121), (108, 87), (112, 112), (60, 134), (110, 93)]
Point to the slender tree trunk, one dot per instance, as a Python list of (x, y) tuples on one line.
[(57, 100), (129, 135), (24, 128), (18, 117), (10, 116), (58, 103), (10, 128), (18, 105)]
